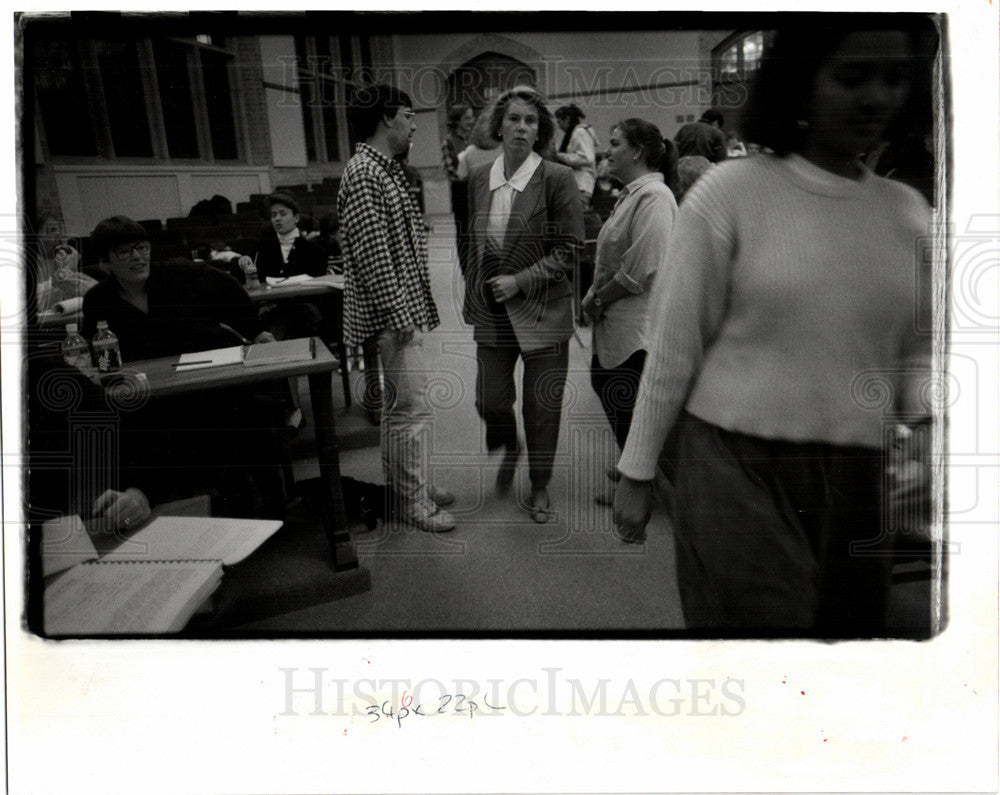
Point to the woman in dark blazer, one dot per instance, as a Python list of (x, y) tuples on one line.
[(526, 229)]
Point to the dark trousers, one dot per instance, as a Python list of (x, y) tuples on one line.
[(617, 388), (542, 396), (778, 536)]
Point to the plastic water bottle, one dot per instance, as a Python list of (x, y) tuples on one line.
[(250, 271), (107, 356), (76, 351)]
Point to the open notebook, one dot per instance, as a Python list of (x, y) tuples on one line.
[(151, 584)]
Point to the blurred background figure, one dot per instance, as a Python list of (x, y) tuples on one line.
[(689, 168), (461, 118), (704, 137), (484, 147), (578, 149)]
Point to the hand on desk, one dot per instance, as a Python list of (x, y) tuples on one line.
[(264, 336), (120, 510)]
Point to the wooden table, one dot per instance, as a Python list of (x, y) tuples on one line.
[(163, 380), (329, 286)]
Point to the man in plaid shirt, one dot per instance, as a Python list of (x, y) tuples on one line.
[(387, 295)]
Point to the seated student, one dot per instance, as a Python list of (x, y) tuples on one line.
[(61, 284), (165, 309), (287, 252), (69, 422)]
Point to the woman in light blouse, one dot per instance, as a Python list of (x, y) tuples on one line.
[(632, 246), (526, 227)]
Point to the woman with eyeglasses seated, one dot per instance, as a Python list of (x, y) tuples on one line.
[(163, 309), (166, 309)]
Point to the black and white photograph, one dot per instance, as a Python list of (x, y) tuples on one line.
[(365, 370)]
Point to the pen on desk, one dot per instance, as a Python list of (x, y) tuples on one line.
[(233, 331)]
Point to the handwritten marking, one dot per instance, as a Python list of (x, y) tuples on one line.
[(463, 706)]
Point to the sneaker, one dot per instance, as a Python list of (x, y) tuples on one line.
[(440, 497), (436, 521)]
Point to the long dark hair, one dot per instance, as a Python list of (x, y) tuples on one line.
[(791, 62), (575, 115)]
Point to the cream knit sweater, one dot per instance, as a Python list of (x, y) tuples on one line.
[(794, 306)]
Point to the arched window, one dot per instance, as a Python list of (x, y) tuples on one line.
[(739, 56), (735, 61)]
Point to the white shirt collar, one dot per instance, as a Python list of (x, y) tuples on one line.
[(521, 177), (638, 182), (288, 237)]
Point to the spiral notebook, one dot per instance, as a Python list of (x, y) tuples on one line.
[(151, 584), (119, 597)]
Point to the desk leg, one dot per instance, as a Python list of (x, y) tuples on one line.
[(335, 518)]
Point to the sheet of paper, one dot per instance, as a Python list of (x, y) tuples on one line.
[(219, 357), (111, 598), (196, 538), (277, 281), (65, 543)]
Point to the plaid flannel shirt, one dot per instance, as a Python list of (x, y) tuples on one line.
[(386, 280)]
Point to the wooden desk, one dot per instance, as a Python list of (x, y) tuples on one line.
[(164, 380), (329, 286), (321, 285)]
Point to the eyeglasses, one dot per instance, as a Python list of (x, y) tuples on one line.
[(142, 249), (409, 115)]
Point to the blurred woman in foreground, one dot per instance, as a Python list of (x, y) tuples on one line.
[(793, 280)]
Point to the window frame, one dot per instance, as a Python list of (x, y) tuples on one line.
[(736, 40), (336, 84), (86, 51)]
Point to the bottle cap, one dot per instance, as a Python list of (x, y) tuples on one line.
[(72, 328), (102, 324)]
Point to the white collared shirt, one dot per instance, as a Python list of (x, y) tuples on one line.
[(286, 242), (502, 189)]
